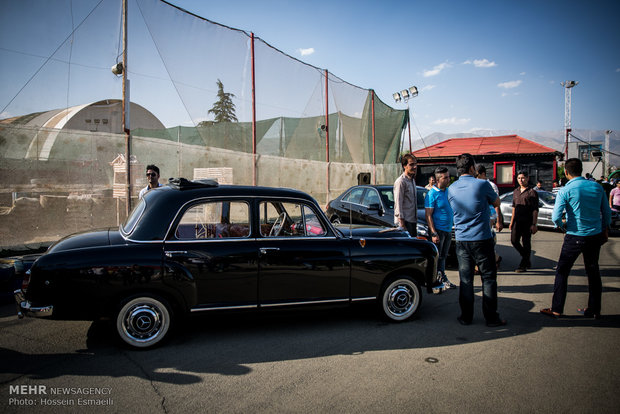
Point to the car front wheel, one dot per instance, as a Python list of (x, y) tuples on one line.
[(401, 298), (143, 321)]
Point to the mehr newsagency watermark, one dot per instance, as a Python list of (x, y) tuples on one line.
[(42, 396)]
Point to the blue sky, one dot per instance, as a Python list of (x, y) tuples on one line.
[(478, 64)]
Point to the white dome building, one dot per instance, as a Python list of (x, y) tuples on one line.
[(98, 117)]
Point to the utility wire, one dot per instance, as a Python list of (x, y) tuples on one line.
[(50, 57), (417, 129), (585, 142)]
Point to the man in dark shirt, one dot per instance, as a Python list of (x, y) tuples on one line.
[(524, 219)]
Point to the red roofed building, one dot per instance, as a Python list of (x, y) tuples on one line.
[(502, 156)]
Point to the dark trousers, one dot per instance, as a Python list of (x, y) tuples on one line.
[(411, 228), (445, 239), (482, 254), (573, 246), (521, 239)]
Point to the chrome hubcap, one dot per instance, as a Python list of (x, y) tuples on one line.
[(400, 300), (143, 322)]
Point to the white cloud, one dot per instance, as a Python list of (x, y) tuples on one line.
[(427, 88), (617, 70), (451, 121), (306, 52), (480, 63), (522, 73), (436, 70), (510, 84)]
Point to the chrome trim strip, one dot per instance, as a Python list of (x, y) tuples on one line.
[(282, 304), (364, 299), (312, 302), (223, 307)]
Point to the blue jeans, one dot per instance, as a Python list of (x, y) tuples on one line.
[(482, 254), (445, 238), (573, 246)]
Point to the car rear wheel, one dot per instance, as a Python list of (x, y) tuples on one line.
[(336, 220), (401, 298), (143, 321)]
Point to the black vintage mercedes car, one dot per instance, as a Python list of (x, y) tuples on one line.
[(196, 246)]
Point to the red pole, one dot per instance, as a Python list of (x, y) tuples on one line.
[(327, 130), (253, 116), (374, 166)]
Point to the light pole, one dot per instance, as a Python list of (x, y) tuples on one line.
[(405, 95), (568, 85)]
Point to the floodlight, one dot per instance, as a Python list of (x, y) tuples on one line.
[(413, 91), (396, 96), (405, 94), (117, 69), (569, 84)]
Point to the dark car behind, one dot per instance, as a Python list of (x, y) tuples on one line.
[(373, 204)]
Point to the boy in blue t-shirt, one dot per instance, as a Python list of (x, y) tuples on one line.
[(439, 218)]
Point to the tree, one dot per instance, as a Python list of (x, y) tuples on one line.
[(224, 109)]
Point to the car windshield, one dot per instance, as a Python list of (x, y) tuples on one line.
[(129, 224), (387, 195), (421, 193), (546, 197)]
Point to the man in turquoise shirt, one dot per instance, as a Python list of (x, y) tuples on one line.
[(587, 220)]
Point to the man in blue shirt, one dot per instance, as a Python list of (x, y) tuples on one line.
[(439, 219), (587, 220), (470, 199)]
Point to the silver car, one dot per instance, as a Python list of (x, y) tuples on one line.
[(546, 202)]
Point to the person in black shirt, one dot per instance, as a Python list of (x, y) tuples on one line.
[(524, 219)]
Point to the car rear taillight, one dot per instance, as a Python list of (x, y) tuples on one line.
[(26, 280)]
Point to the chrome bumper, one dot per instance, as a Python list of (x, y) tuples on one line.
[(25, 308)]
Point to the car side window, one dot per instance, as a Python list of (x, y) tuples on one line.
[(215, 220), (286, 219), (371, 197), (355, 196), (312, 223)]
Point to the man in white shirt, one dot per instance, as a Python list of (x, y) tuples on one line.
[(152, 176), (405, 197)]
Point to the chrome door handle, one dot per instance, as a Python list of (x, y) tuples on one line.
[(173, 253), (265, 250)]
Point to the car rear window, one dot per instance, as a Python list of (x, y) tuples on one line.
[(133, 218)]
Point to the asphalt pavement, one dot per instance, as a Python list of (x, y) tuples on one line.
[(343, 360)]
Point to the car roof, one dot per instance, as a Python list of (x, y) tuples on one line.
[(163, 203), (379, 187)]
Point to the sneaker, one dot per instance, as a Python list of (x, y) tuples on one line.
[(448, 284), (520, 269)]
